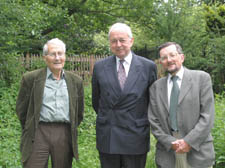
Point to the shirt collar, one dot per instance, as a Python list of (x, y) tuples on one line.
[(180, 74), (127, 59), (50, 75)]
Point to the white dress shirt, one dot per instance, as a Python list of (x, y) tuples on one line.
[(126, 63)]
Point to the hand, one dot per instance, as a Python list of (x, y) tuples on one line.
[(175, 145), (180, 146)]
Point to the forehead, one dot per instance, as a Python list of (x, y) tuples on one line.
[(168, 50), (118, 34), (54, 47)]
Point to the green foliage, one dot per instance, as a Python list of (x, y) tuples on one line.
[(9, 129), (87, 146), (211, 60), (215, 18), (10, 69), (219, 130)]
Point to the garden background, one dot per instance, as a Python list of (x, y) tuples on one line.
[(25, 25)]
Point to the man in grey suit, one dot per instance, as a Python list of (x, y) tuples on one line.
[(181, 113), (120, 98), (50, 108)]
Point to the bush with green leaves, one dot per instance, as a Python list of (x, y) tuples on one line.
[(219, 130), (11, 69)]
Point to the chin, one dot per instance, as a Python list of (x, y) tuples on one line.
[(172, 71)]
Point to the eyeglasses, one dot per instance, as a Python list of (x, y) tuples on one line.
[(172, 56), (54, 54), (122, 41)]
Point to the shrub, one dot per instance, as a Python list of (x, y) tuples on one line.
[(10, 69), (219, 131)]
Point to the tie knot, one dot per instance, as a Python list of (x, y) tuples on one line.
[(174, 78), (122, 61)]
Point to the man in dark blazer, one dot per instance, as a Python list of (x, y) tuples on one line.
[(122, 126), (50, 108), (188, 143)]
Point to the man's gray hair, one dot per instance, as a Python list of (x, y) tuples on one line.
[(121, 26), (54, 41)]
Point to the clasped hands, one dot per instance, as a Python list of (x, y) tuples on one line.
[(180, 146)]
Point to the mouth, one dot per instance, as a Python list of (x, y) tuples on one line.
[(171, 65)]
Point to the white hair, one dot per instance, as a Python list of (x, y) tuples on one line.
[(54, 41), (121, 26)]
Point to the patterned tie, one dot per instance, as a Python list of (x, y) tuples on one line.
[(173, 103), (121, 74)]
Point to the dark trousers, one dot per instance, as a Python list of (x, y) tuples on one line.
[(122, 161), (51, 139)]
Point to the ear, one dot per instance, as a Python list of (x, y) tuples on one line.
[(182, 57), (132, 41), (160, 61), (44, 57)]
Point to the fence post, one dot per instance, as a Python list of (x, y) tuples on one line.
[(27, 61), (91, 64)]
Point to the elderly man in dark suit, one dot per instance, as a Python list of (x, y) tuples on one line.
[(50, 108), (181, 113), (120, 98)]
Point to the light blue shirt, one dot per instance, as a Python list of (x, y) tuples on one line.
[(55, 105)]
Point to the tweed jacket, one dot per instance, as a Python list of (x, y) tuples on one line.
[(29, 104)]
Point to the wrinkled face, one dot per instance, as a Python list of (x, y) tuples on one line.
[(170, 59), (120, 43), (55, 59)]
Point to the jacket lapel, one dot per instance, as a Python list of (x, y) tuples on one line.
[(163, 96), (133, 74), (70, 91), (39, 84), (111, 75), (185, 85)]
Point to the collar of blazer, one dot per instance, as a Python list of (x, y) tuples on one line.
[(111, 75), (185, 87)]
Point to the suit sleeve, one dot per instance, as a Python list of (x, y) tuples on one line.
[(158, 130), (22, 102), (203, 127), (154, 74), (80, 102), (95, 90)]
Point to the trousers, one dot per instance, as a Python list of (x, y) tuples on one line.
[(122, 161), (51, 140)]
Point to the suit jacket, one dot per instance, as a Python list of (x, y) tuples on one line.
[(195, 117), (29, 102), (122, 126)]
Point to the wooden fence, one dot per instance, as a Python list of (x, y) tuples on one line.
[(82, 65)]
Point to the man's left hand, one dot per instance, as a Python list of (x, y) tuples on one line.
[(183, 146)]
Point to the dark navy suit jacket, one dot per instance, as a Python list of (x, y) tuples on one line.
[(122, 125)]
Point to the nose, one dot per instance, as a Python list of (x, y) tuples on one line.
[(118, 43), (169, 59), (57, 56)]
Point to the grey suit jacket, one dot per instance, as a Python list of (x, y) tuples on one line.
[(195, 118), (122, 125), (29, 103)]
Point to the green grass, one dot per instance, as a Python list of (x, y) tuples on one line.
[(10, 132)]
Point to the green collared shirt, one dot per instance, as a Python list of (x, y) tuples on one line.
[(55, 105)]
